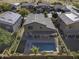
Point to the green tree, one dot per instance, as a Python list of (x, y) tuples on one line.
[(24, 12), (5, 6), (35, 50), (5, 37)]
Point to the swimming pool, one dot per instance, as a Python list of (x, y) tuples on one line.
[(45, 46)]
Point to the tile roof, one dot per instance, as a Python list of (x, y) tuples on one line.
[(39, 18)]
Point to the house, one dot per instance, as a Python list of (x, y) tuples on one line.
[(68, 24), (10, 21), (58, 7), (39, 32)]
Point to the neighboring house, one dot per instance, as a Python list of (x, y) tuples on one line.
[(39, 30), (42, 7), (68, 24), (27, 5), (73, 9), (61, 8), (10, 21), (15, 6), (37, 7)]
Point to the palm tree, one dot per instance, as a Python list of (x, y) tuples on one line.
[(35, 50)]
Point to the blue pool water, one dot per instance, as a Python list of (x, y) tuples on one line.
[(45, 46)]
